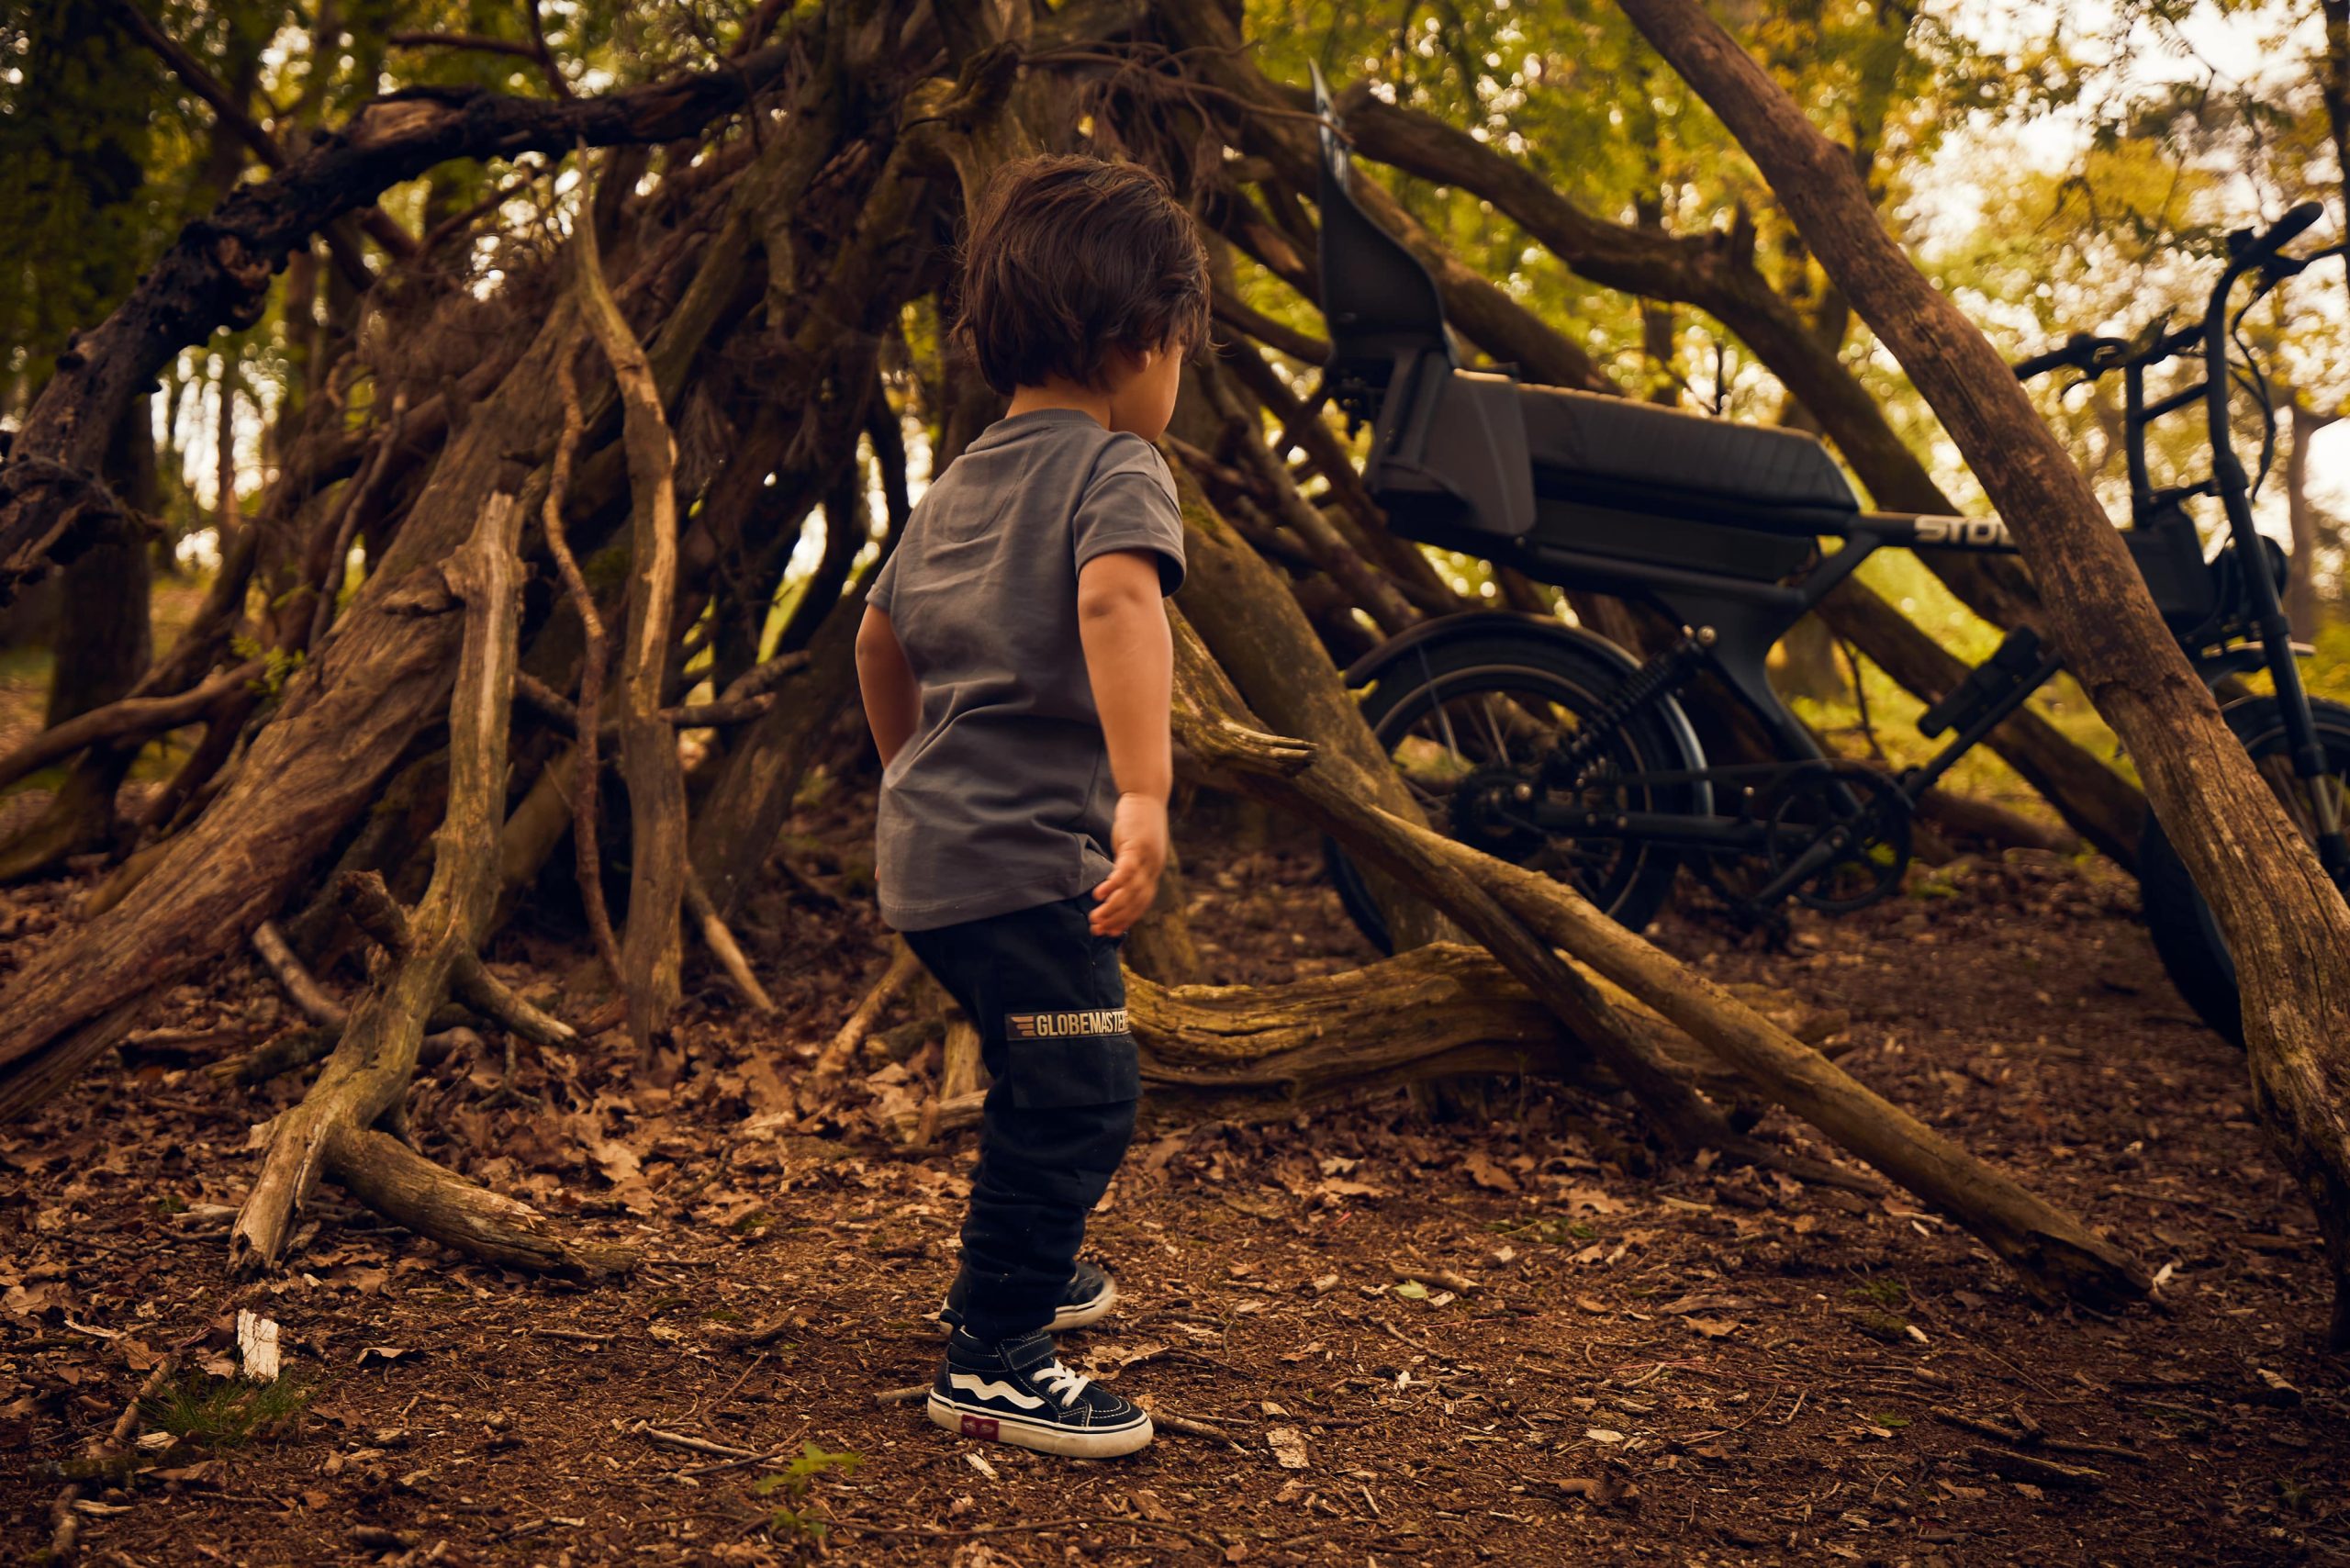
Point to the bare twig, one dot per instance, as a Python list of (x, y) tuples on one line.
[(120, 721), (692, 1445), (585, 854), (66, 1536), (307, 994), (833, 1063), (723, 948), (348, 507)]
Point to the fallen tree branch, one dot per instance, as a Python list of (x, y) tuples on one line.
[(472, 983), (141, 716), (65, 1520), (1330, 794), (832, 1065), (2056, 1255), (719, 940), (2053, 1253), (366, 1078), (307, 994)]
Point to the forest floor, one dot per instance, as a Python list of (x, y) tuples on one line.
[(1508, 1338)]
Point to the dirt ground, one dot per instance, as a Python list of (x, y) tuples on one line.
[(1501, 1338)]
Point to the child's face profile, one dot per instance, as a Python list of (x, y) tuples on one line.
[(1141, 391)]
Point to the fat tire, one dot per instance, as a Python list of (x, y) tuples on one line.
[(1592, 676), (2185, 937)]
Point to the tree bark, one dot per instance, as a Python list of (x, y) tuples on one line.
[(652, 954), (1332, 793), (102, 647), (351, 715), (1269, 649), (2284, 922)]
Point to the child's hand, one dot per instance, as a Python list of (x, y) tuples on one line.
[(1138, 839)]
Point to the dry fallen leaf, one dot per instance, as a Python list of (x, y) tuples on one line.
[(1289, 1447), (1713, 1327), (1485, 1173)]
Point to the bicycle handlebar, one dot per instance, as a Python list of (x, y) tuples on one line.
[(2093, 356), (2287, 230)]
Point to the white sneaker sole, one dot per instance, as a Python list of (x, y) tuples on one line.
[(1078, 1315), (1045, 1437), (1085, 1312)]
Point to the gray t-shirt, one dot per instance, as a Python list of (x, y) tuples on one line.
[(1002, 799)]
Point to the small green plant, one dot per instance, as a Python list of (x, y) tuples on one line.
[(1550, 1230), (756, 1220), (217, 1413), (1882, 1293), (169, 1204), (278, 665), (792, 1517)]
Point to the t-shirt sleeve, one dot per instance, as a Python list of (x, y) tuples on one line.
[(885, 583), (1129, 504)]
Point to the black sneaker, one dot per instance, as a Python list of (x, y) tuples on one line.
[(1091, 1295), (1019, 1392)]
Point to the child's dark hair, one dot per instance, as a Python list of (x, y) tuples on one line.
[(1069, 258)]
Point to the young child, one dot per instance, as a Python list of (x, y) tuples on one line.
[(1015, 663)]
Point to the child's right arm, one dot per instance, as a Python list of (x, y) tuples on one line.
[(892, 700)]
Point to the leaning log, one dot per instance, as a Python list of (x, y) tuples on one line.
[(2283, 920), (1443, 1011), (330, 1132), (2053, 1253), (1224, 743)]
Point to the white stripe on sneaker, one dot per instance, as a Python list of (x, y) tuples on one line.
[(988, 1388)]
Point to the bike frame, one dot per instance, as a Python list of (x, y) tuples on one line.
[(1735, 621)]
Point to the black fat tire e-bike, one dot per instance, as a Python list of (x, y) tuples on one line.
[(1551, 746)]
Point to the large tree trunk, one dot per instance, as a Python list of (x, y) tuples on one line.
[(102, 646), (2284, 922)]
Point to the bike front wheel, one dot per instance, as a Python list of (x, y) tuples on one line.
[(1468, 726), (2185, 933)]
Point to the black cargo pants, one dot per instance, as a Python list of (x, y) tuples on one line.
[(1050, 1004)]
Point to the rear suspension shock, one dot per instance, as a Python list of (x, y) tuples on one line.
[(1568, 765)]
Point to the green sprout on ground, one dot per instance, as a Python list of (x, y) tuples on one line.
[(1881, 1292), (218, 1413), (792, 1517)]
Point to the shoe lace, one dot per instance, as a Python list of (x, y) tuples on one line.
[(1057, 1379)]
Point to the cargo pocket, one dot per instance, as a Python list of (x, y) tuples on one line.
[(1102, 1069), (1077, 1053)]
